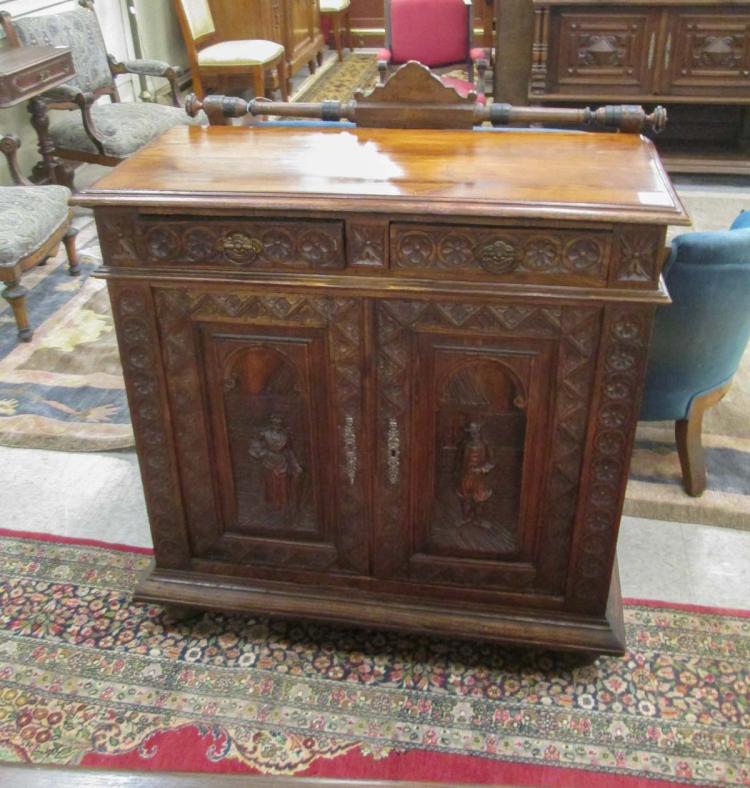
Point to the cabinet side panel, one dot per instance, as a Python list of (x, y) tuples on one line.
[(145, 381), (619, 384)]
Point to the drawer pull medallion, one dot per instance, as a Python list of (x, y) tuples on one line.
[(394, 451), (497, 257), (350, 450), (240, 248)]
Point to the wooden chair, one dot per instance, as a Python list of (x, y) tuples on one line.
[(337, 14), (213, 62), (436, 33), (91, 130), (700, 338), (33, 222)]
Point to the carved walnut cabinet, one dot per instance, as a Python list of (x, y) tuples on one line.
[(388, 377)]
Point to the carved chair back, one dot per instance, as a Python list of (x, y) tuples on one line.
[(433, 32), (80, 31)]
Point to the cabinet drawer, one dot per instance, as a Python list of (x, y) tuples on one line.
[(494, 253), (239, 243)]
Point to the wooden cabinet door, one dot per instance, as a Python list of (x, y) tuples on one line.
[(482, 413), (707, 52), (265, 395), (302, 26), (598, 53)]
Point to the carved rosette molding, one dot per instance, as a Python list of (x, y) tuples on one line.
[(138, 341), (576, 329), (623, 357), (638, 253), (477, 250), (178, 312), (130, 240)]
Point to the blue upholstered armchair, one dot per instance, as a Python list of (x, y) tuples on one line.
[(700, 338)]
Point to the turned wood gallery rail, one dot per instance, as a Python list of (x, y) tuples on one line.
[(413, 97)]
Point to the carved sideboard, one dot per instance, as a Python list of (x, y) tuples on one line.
[(694, 57), (388, 377)]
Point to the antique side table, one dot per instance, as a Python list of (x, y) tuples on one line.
[(388, 377), (26, 73)]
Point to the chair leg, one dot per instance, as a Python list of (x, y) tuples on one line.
[(688, 435), (259, 82), (198, 84), (312, 65), (319, 57), (348, 28), (69, 239), (281, 72), (336, 29), (15, 294)]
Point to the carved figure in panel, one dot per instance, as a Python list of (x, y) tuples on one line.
[(281, 471), (475, 463), (480, 432), (269, 435)]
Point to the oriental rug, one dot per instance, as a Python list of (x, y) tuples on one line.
[(87, 677), (64, 389)]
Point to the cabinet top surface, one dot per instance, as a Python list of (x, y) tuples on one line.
[(534, 174)]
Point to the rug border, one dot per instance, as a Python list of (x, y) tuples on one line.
[(72, 540), (125, 548)]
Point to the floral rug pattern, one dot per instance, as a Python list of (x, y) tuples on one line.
[(87, 674)]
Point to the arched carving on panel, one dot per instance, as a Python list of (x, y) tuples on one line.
[(268, 432)]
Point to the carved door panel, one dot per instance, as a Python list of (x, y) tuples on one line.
[(596, 52), (481, 423), (266, 396), (303, 22), (707, 51)]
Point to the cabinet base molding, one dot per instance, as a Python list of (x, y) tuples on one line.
[(555, 630)]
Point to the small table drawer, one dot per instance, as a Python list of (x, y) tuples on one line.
[(241, 243), (28, 71), (493, 253)]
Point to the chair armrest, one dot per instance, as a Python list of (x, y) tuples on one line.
[(149, 68), (65, 94), (9, 145), (85, 101)]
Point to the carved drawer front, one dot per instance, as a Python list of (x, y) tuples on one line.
[(494, 253), (598, 51), (266, 400), (708, 50), (36, 78), (242, 243), (481, 431)]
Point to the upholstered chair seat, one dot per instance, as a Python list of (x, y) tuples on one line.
[(700, 338), (253, 52), (34, 220), (121, 128), (30, 215), (329, 6)]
